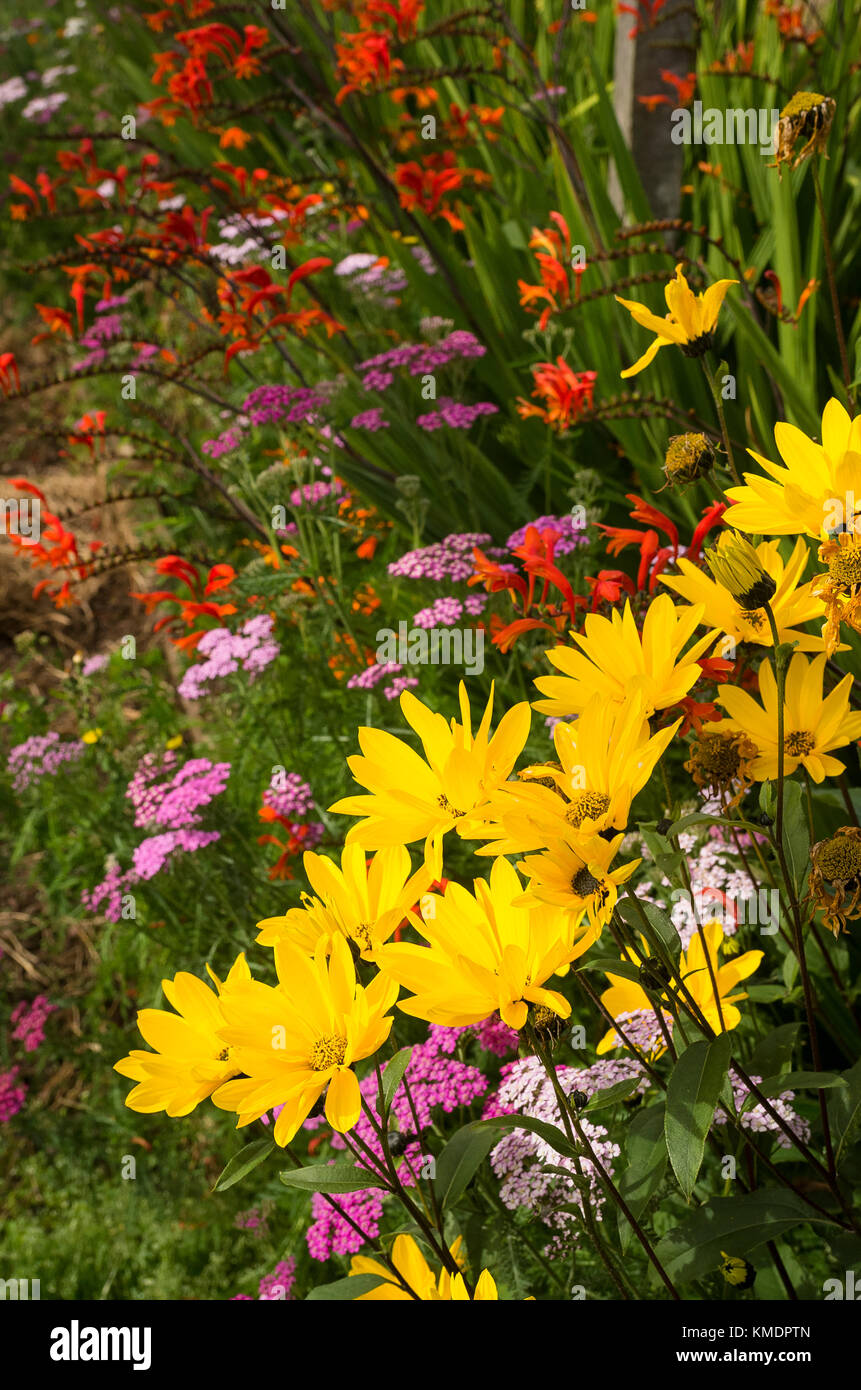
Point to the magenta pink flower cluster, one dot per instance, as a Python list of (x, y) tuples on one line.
[(436, 1082), (455, 414), (370, 420), (289, 795), (12, 1094), (41, 755), (276, 1287), (251, 648), (380, 671), (267, 405), (168, 797), (422, 359), (29, 1021)]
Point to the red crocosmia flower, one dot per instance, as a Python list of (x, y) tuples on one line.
[(220, 577), (8, 369), (609, 586), (565, 393)]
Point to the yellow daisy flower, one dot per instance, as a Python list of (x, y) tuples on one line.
[(414, 798), (361, 901), (485, 953), (800, 498), (91, 735), (604, 759), (576, 876), (792, 604), (302, 1038), (626, 996), (690, 323), (616, 661), (411, 1264), (813, 723), (190, 1059)]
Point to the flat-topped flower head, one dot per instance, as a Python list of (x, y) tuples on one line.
[(626, 997), (362, 901), (190, 1059), (813, 723), (424, 1284), (792, 603), (603, 759), (303, 1037), (690, 322), (816, 490), (485, 953), (575, 875), (617, 661), (414, 798)]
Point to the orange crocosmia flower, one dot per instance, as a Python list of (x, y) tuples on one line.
[(235, 138), (564, 392)]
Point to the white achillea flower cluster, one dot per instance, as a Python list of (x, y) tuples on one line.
[(520, 1157), (757, 1118)]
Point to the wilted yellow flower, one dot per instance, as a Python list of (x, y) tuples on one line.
[(690, 323), (806, 116)]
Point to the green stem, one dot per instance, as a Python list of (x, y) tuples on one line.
[(727, 443), (832, 285)]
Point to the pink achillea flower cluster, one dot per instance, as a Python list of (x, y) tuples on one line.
[(251, 648), (41, 755), (421, 359), (95, 663), (450, 558), (380, 671), (437, 1082), (12, 1095), (456, 415), (520, 1157), (276, 1287), (289, 795), (29, 1021), (757, 1119), (170, 800), (370, 420)]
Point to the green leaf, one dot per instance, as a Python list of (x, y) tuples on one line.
[(243, 1163), (345, 1290), (625, 968), (693, 1091), (632, 912), (465, 1152), (800, 1081), (796, 833), (845, 1112), (394, 1075), (646, 1151), (620, 1091), (332, 1178), (735, 1225), (461, 1159)]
